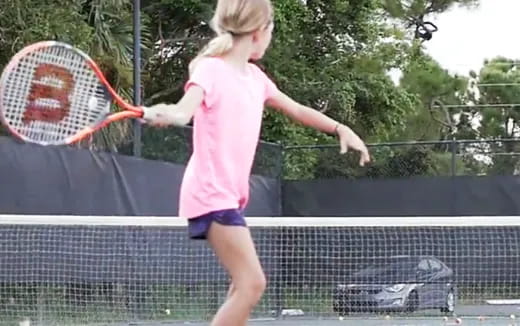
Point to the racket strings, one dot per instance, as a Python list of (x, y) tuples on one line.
[(86, 102)]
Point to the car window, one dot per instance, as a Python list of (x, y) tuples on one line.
[(436, 266), (423, 266)]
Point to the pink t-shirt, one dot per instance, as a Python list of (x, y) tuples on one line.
[(225, 136)]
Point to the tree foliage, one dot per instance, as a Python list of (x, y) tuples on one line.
[(412, 11), (335, 56), (495, 115)]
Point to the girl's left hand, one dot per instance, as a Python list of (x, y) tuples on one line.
[(349, 139)]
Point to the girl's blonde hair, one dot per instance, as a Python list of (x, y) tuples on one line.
[(235, 18)]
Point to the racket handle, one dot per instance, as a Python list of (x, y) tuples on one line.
[(111, 118), (165, 114)]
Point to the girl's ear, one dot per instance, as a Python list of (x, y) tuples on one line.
[(255, 35)]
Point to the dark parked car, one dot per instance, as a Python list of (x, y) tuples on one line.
[(402, 283)]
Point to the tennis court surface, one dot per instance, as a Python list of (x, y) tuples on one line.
[(126, 270)]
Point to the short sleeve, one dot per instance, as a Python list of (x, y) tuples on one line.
[(269, 86), (203, 76)]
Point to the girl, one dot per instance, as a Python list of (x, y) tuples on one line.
[(225, 95)]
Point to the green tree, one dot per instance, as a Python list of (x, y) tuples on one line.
[(330, 56), (411, 12), (333, 56), (495, 116), (428, 81), (498, 83)]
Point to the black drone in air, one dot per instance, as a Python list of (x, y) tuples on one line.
[(423, 29)]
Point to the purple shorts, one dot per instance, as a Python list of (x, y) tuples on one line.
[(198, 227)]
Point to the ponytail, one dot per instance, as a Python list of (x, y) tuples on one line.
[(217, 46)]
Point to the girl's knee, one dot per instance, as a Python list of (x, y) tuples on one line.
[(253, 287), (259, 285)]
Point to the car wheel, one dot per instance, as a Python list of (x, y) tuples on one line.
[(412, 302), (449, 304), (341, 310)]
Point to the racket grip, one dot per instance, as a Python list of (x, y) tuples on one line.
[(85, 132), (165, 114)]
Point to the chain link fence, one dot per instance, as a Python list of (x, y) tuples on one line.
[(174, 144), (389, 160), (406, 159)]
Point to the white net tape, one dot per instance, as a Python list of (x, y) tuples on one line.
[(51, 94), (80, 269)]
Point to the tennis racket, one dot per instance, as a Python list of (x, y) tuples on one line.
[(54, 94)]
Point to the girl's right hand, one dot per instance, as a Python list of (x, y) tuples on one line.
[(158, 115)]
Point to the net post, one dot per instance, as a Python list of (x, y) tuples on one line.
[(453, 156), (137, 77), (280, 176)]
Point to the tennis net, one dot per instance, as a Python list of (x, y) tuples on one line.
[(57, 270)]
